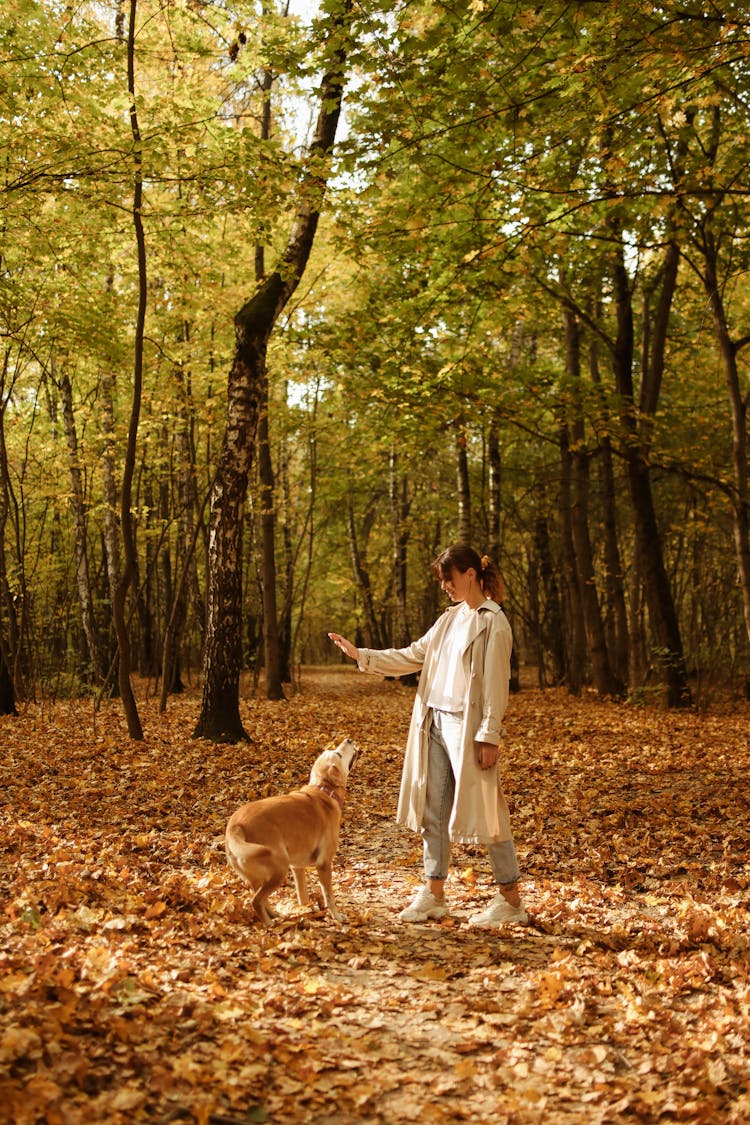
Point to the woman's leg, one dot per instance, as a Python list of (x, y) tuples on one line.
[(438, 804), (505, 870)]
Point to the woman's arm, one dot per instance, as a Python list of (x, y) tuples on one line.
[(346, 646), (387, 661), (495, 680)]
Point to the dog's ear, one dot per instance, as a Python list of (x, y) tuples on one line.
[(328, 770), (334, 775)]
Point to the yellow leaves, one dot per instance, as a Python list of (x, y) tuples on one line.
[(550, 986), (430, 972), (127, 1099), (99, 964), (85, 918), (40, 1092), (553, 982), (155, 910), (465, 1069), (313, 986), (19, 1043), (468, 876)]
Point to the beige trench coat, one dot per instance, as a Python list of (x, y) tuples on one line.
[(480, 811)]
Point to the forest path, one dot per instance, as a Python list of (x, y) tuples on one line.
[(134, 986)]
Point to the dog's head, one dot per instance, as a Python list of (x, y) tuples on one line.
[(333, 767)]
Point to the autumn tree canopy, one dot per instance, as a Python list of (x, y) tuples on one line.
[(523, 321)]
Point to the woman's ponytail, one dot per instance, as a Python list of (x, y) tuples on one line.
[(492, 580)]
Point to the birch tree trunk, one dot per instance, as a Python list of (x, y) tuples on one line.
[(220, 718)]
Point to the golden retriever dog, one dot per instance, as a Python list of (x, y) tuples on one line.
[(264, 839)]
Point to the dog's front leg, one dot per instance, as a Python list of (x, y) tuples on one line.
[(263, 911), (326, 882), (300, 884)]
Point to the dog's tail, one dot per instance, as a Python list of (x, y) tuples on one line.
[(244, 857)]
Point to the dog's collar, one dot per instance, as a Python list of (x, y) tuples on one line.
[(332, 793)]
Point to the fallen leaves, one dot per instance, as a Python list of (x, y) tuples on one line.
[(134, 985)]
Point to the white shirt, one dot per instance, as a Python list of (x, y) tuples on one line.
[(448, 689)]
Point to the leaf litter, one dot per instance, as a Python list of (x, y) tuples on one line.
[(134, 985)]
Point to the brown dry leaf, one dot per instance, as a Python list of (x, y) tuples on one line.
[(135, 986)]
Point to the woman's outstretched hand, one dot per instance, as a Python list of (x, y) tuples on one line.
[(345, 646)]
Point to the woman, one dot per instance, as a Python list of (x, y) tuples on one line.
[(449, 786)]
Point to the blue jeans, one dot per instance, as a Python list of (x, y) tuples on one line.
[(445, 730)]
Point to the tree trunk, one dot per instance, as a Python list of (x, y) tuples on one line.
[(271, 650), (271, 639), (616, 621), (171, 601), (129, 571), (83, 582), (290, 558), (550, 624), (494, 524), (738, 407), (661, 608), (222, 661), (111, 495), (605, 682), (7, 694), (9, 643), (574, 649), (494, 490), (147, 653), (638, 649), (463, 490), (373, 636), (190, 528), (307, 535), (399, 504), (534, 612)]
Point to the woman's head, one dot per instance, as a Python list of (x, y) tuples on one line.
[(460, 558)]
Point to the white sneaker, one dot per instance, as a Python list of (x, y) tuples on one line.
[(499, 913), (424, 906)]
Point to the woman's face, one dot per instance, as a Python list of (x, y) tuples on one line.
[(457, 585)]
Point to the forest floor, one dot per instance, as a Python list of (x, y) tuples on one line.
[(134, 986)]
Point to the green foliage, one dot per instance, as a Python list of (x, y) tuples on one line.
[(495, 157)]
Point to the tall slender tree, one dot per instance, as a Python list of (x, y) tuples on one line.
[(220, 718), (129, 572)]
